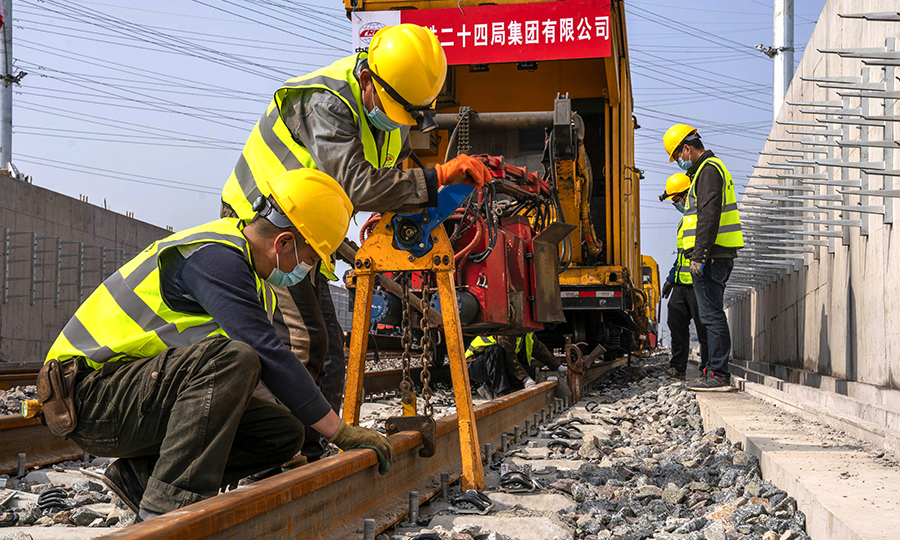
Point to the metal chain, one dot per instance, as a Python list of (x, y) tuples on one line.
[(406, 385), (462, 136), (425, 343)]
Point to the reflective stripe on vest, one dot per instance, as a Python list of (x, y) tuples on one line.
[(271, 150), (482, 342), (729, 234), (127, 318), (682, 263)]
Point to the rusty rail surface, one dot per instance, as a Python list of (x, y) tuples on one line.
[(330, 498), (20, 434), (327, 499), (22, 376), (594, 372)]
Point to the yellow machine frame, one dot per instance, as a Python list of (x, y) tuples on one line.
[(377, 255)]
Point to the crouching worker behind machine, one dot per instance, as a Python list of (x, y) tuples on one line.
[(507, 363), (164, 356)]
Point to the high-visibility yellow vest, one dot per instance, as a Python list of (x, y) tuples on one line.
[(482, 342), (730, 235), (271, 150), (682, 263), (127, 318)]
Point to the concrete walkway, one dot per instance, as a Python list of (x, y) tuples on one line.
[(845, 492)]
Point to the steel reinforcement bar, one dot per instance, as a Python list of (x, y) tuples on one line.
[(330, 498)]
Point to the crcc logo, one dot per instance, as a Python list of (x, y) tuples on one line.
[(368, 31)]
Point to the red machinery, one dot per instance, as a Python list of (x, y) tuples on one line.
[(506, 273)]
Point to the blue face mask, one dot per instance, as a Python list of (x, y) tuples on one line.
[(279, 278), (679, 207), (684, 164), (381, 121)]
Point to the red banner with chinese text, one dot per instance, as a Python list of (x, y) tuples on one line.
[(504, 33)]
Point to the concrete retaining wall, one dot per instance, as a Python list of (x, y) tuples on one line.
[(27, 330), (837, 312)]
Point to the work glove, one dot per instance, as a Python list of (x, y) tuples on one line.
[(697, 268), (667, 289), (529, 382), (463, 169), (562, 368), (348, 437)]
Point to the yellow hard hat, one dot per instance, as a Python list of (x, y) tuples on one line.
[(677, 183), (317, 206), (674, 136), (409, 68)]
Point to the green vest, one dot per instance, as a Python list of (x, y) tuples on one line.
[(271, 150), (729, 235), (682, 263), (127, 318), (482, 342)]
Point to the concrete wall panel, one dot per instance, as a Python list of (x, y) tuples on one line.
[(26, 330), (839, 315)]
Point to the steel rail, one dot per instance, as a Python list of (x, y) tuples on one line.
[(24, 376), (28, 435), (40, 446), (330, 498), (326, 499)]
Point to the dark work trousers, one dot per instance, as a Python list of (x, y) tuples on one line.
[(489, 366), (186, 420), (682, 310), (709, 288)]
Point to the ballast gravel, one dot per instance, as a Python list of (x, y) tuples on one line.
[(658, 474)]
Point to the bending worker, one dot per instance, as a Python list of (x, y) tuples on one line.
[(350, 120), (170, 348), (711, 239), (682, 304), (507, 363)]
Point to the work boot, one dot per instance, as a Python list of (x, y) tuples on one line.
[(485, 392), (675, 374), (121, 478), (710, 383)]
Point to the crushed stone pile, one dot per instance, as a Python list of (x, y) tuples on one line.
[(655, 473)]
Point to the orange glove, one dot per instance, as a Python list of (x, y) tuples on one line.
[(463, 170)]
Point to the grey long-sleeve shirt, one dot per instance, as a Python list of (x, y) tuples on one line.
[(325, 126)]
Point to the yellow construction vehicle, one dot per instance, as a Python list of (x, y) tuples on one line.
[(651, 292), (547, 86)]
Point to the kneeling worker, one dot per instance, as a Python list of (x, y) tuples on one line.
[(169, 349), (503, 364)]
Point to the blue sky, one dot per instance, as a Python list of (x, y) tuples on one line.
[(144, 106)]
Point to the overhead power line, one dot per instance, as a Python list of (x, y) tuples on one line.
[(106, 173)]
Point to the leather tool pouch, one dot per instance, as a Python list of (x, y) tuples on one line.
[(56, 393)]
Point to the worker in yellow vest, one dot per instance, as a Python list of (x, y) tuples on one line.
[(506, 363), (351, 120), (682, 305), (166, 353), (711, 239)]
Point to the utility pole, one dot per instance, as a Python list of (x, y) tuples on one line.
[(6, 95), (782, 52)]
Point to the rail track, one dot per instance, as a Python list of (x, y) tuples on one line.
[(301, 503), (22, 376)]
